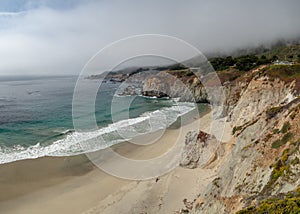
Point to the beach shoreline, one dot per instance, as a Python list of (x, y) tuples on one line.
[(74, 185)]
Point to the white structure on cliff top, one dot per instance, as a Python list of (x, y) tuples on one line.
[(277, 62)]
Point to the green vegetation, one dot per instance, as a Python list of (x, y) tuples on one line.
[(230, 68), (282, 203), (282, 166), (287, 73), (242, 63), (288, 203), (236, 128), (220, 63), (288, 136), (283, 52), (295, 149), (230, 75), (248, 62), (295, 161), (272, 112), (286, 126), (278, 170)]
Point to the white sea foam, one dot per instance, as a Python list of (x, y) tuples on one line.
[(83, 142)]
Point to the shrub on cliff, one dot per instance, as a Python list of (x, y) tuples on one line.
[(246, 63), (288, 136), (272, 112), (289, 203), (242, 63), (286, 126), (220, 63)]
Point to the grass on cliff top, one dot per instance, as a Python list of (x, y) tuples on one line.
[(283, 52), (287, 73), (229, 75)]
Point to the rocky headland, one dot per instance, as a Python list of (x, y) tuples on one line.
[(258, 169)]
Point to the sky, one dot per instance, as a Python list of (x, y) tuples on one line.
[(55, 37)]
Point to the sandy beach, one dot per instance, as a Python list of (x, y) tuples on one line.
[(75, 185)]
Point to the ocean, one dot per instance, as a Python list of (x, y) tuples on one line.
[(36, 117)]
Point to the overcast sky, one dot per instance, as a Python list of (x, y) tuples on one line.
[(58, 37)]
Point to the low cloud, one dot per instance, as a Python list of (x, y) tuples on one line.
[(47, 40)]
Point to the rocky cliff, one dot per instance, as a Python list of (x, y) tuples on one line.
[(177, 84), (263, 159)]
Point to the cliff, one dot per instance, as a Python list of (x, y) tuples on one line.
[(261, 162), (181, 84), (263, 108)]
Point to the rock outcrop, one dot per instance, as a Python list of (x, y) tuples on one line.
[(130, 90), (264, 158), (187, 88), (259, 95), (154, 93), (200, 148)]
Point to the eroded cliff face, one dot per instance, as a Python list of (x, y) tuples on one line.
[(259, 95), (187, 88), (263, 158), (264, 161), (264, 155), (244, 98)]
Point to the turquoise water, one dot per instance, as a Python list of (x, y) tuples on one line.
[(36, 117)]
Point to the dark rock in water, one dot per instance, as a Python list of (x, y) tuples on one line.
[(154, 93)]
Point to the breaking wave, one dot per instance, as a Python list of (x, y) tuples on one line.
[(74, 143)]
